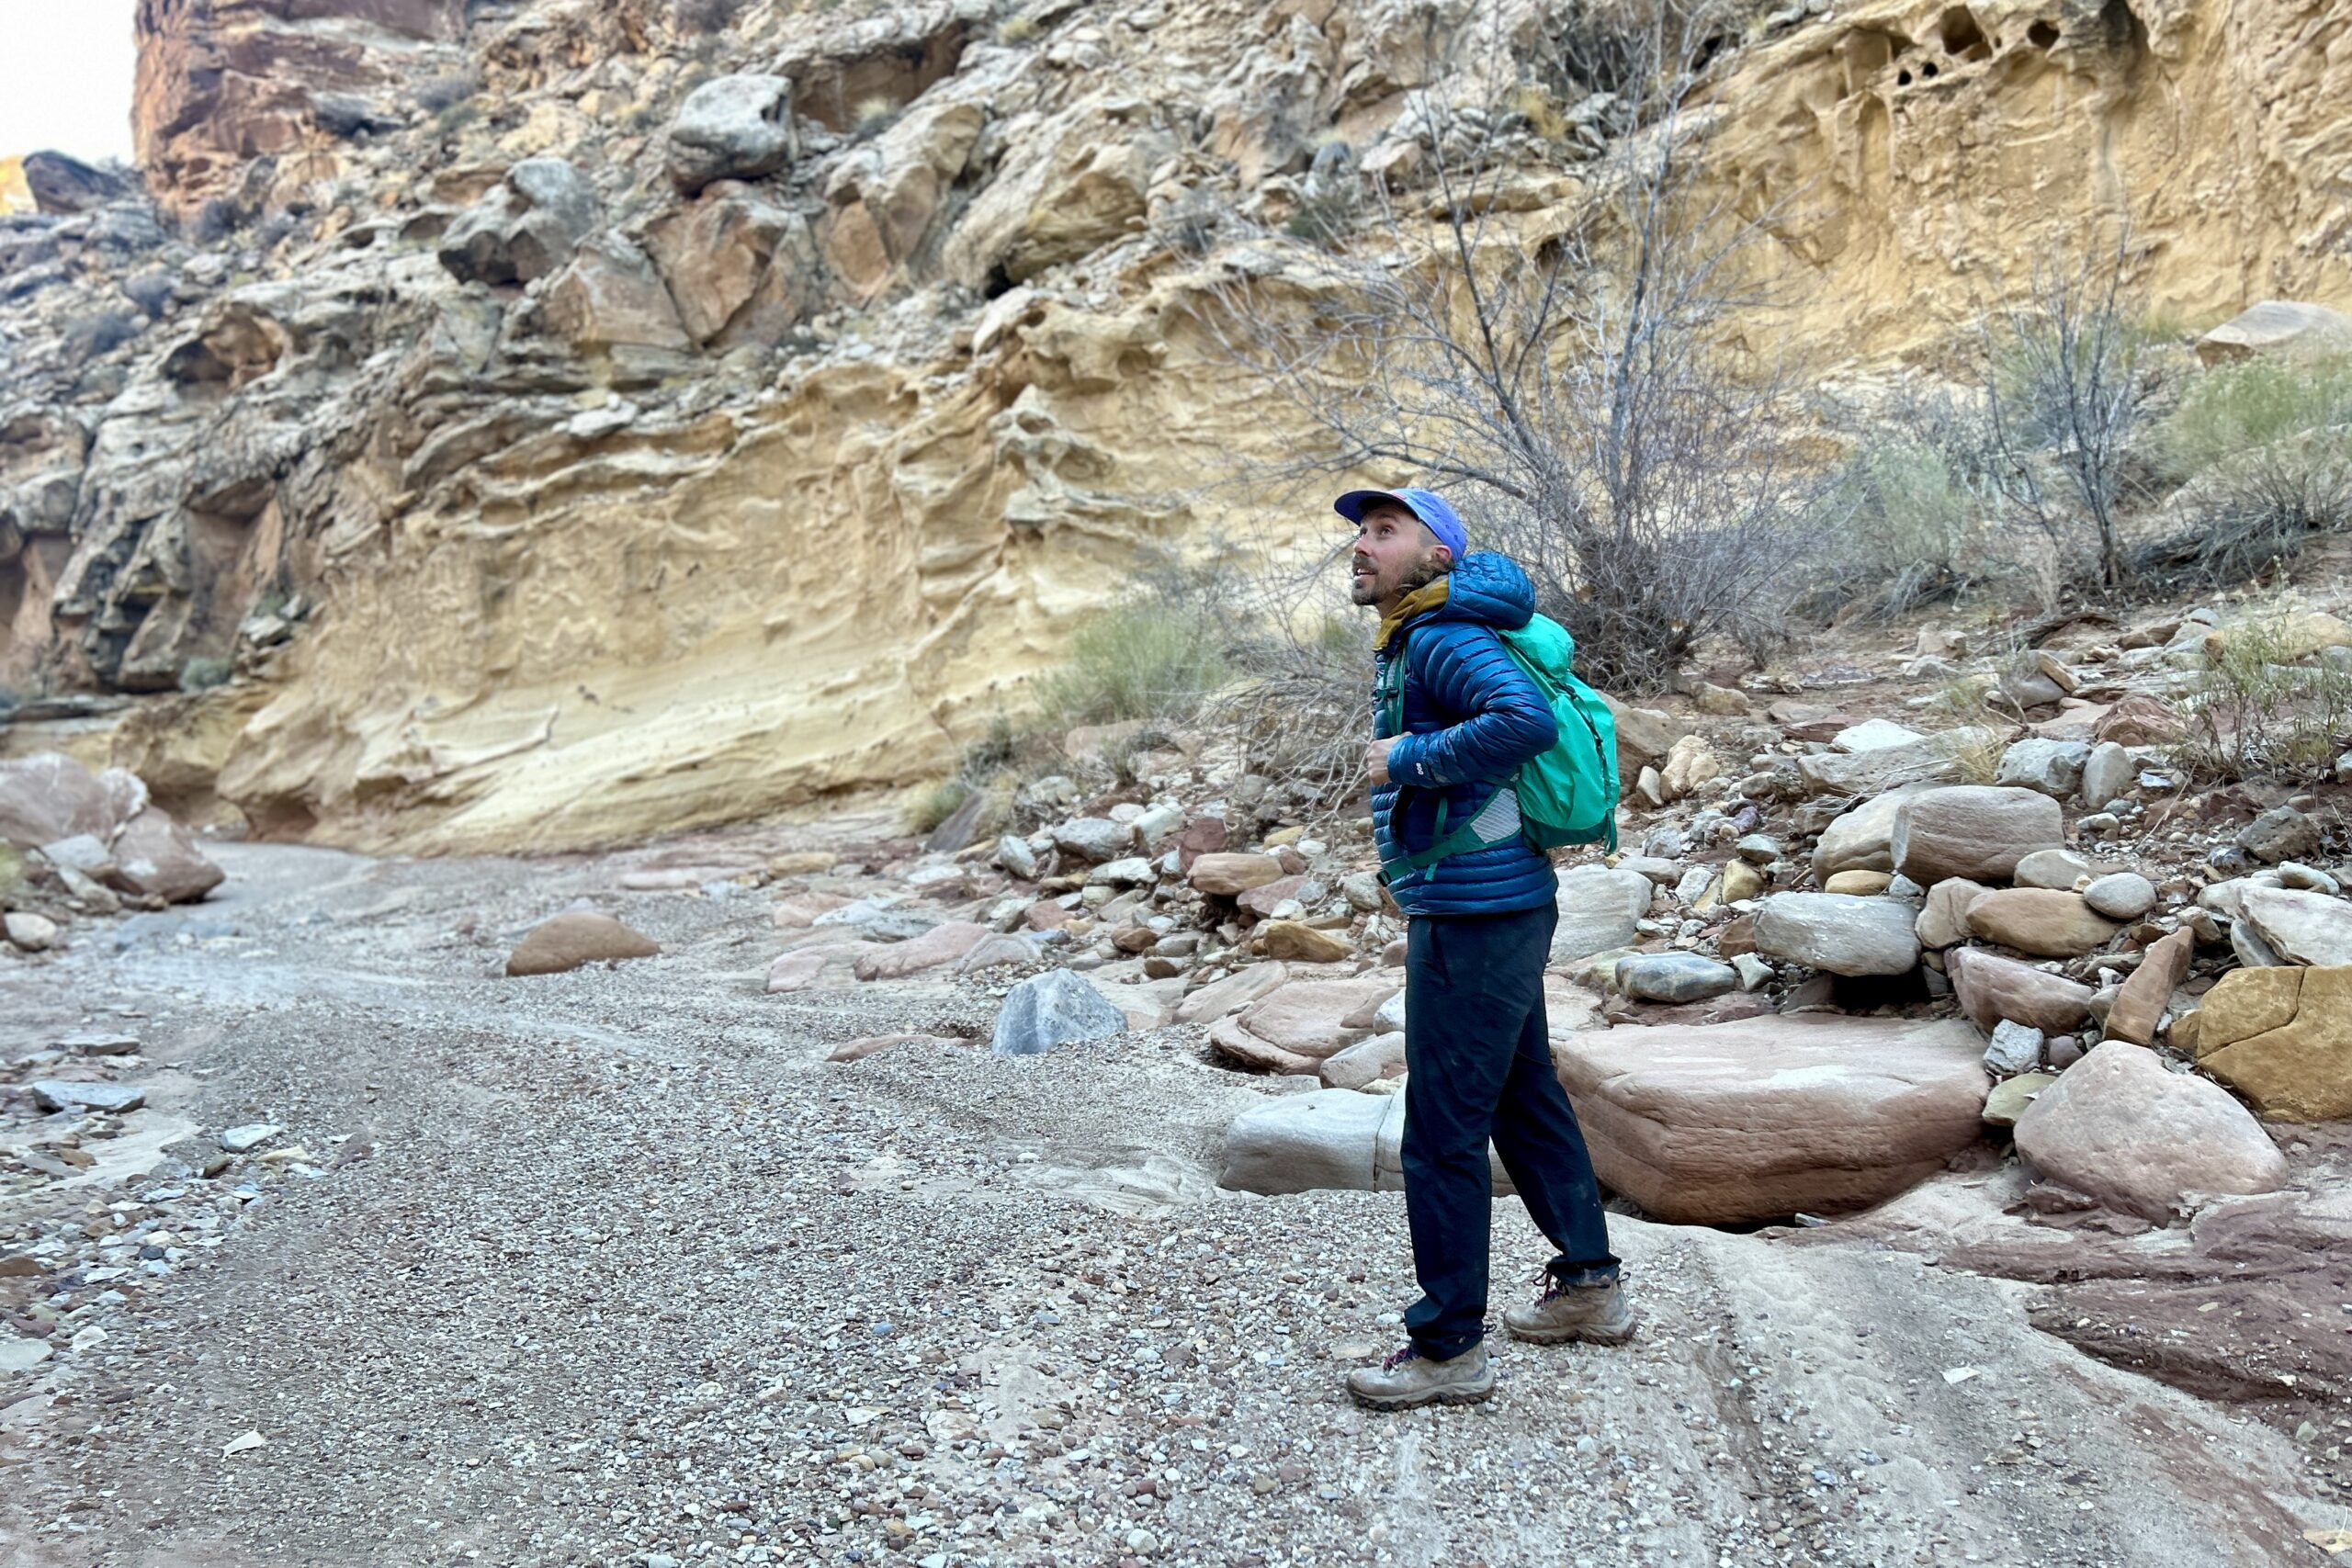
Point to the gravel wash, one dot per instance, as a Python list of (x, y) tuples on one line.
[(614, 1268)]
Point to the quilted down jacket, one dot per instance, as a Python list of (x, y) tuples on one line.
[(1471, 717)]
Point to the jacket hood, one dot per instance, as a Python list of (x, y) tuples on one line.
[(1489, 589)]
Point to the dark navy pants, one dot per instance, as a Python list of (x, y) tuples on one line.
[(1478, 1063)]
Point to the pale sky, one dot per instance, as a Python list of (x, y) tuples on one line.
[(66, 70)]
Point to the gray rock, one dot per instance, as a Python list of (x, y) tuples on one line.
[(1754, 972), (1674, 977), (1361, 891), (525, 227), (83, 852), (1758, 849), (1390, 1014), (1693, 882), (2050, 868), (33, 933), (1977, 831), (1664, 873), (59, 1094), (1839, 933), (1891, 767), (238, 1140), (1057, 1008), (1307, 1143), (2301, 928), (731, 127), (1013, 854), (2107, 773), (1364, 1062), (2054, 767), (2014, 1048), (2252, 951), (878, 921), (1863, 839), (2307, 879), (1157, 822), (2121, 895), (2280, 833), (1873, 735), (1129, 871), (1094, 839), (1600, 908)]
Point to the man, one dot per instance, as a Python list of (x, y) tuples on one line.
[(1480, 923)]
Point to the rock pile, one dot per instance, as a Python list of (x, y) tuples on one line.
[(75, 845)]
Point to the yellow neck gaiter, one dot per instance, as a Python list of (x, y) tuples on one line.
[(1427, 597)]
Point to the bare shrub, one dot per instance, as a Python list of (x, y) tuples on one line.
[(2251, 514), (1568, 381), (2067, 387)]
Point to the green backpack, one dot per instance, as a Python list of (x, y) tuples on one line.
[(1567, 794)]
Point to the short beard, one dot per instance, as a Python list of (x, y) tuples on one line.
[(1419, 574)]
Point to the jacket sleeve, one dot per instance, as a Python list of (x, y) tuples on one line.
[(1505, 719)]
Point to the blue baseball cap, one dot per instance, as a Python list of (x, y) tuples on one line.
[(1426, 505)]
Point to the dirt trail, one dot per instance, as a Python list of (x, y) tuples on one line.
[(613, 1268)]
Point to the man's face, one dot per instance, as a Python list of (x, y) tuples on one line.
[(1395, 554)]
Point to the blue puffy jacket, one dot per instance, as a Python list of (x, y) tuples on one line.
[(1471, 717)]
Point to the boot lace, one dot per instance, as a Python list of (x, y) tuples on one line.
[(1408, 1353)]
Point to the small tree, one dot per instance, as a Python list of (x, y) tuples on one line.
[(1566, 375), (2067, 384)]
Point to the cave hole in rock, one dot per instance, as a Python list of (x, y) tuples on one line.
[(1929, 71), (1902, 78), (840, 93), (1963, 36), (2042, 35), (2124, 32)]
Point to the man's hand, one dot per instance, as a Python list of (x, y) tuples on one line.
[(1376, 760)]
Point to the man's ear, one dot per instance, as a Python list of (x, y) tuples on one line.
[(1444, 554)]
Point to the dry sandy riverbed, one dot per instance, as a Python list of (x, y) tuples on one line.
[(612, 1266)]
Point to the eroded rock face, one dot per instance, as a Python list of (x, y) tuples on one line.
[(1767, 1117), (524, 228), (734, 127)]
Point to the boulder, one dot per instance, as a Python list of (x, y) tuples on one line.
[(2109, 774), (2287, 329), (608, 297), (1231, 994), (1645, 736), (1935, 759), (1263, 901), (525, 227), (1367, 1061), (1977, 831), (2045, 921), (1308, 1143), (1057, 1008), (2281, 834), (1229, 874), (2054, 767), (1689, 767), (1600, 910), (2140, 1001), (2120, 895), (1675, 977), (1095, 840), (1301, 944), (2283, 1039), (577, 937), (1839, 933), (2300, 927), (1310, 1018), (48, 797), (1735, 1123), (2052, 868), (731, 127), (70, 1094), (155, 857), (940, 945), (1862, 839), (1013, 854), (2014, 1048), (1992, 989), (29, 931), (2118, 1126), (1943, 917)]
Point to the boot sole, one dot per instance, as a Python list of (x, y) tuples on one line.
[(1473, 1395), (1572, 1336)]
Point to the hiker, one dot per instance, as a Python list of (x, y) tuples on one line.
[(1479, 898)]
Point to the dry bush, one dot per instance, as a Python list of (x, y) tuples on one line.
[(2248, 515), (2251, 716), (1567, 385)]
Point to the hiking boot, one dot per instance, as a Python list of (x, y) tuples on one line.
[(1594, 1314), (1409, 1378)]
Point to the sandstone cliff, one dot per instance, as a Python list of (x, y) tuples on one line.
[(572, 420)]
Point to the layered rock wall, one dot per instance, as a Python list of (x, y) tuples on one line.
[(569, 423)]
